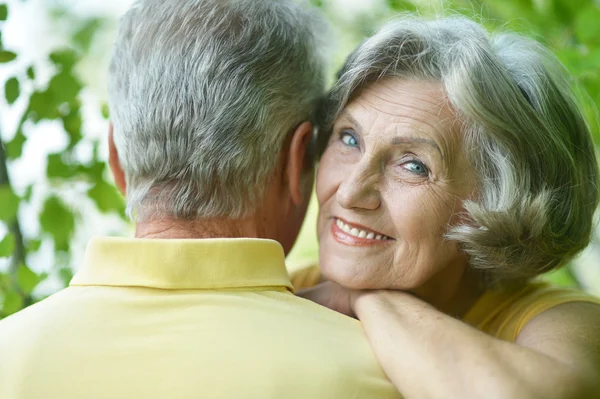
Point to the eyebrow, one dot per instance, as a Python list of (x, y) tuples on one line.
[(346, 115), (396, 140), (420, 140)]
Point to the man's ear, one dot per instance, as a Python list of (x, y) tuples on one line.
[(114, 163), (297, 160)]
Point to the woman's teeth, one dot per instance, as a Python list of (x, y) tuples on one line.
[(353, 231)]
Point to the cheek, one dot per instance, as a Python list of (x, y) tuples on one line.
[(328, 178), (421, 216), (425, 211), (414, 225)]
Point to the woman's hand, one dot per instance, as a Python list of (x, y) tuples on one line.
[(332, 296)]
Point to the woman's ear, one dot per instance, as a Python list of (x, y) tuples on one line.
[(299, 164), (114, 163)]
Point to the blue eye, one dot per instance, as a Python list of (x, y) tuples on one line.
[(416, 167), (348, 139)]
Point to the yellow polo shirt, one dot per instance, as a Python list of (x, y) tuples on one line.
[(177, 319)]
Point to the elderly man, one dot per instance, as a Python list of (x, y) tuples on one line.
[(211, 102)]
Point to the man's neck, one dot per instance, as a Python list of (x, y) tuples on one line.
[(168, 228)]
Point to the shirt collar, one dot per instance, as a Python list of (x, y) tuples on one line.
[(182, 264)]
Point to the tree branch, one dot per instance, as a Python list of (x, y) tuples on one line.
[(18, 256)]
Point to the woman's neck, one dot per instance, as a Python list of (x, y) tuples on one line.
[(453, 292)]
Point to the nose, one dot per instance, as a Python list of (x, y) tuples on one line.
[(359, 190)]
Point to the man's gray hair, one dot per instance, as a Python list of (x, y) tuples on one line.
[(525, 137), (203, 94)]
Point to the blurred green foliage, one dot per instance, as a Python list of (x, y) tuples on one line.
[(58, 99), (570, 27)]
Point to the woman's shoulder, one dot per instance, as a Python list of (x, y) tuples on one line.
[(504, 312)]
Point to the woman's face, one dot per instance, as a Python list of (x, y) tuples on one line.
[(391, 180)]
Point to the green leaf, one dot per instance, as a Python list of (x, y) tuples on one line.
[(13, 302), (3, 12), (58, 168), (12, 90), (31, 73), (105, 111), (65, 58), (64, 87), (72, 123), (66, 275), (42, 105), (401, 5), (14, 148), (7, 56), (95, 171), (27, 279), (4, 282), (28, 193), (33, 245), (7, 246), (84, 36), (107, 197), (58, 220), (9, 204)]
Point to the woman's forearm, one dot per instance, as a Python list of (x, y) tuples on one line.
[(428, 354)]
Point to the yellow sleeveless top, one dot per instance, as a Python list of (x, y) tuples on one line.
[(501, 313), (504, 313)]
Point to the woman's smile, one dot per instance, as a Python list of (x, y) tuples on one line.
[(356, 235)]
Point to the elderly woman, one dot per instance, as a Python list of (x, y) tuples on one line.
[(456, 167)]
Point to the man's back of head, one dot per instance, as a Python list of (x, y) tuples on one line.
[(203, 94)]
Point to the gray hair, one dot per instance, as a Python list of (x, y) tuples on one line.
[(525, 136), (203, 94)]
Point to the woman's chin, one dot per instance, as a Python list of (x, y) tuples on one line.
[(346, 273), (366, 272)]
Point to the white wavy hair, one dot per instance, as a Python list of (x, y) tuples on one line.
[(202, 95), (525, 137)]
